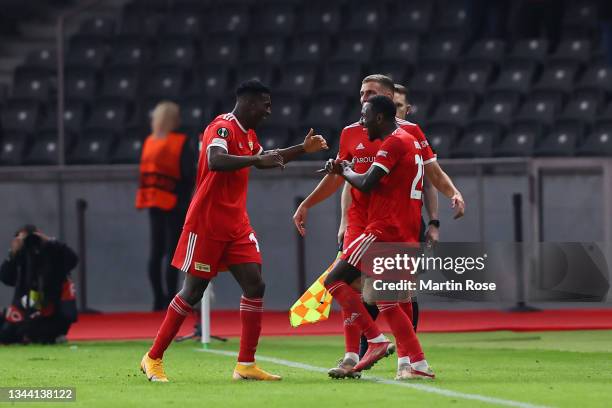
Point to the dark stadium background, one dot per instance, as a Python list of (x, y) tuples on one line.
[(515, 98)]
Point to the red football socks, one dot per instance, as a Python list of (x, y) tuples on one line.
[(407, 342), (175, 316), (407, 308), (354, 309), (251, 311)]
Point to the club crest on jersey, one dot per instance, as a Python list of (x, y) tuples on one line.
[(360, 146), (251, 145), (223, 132)]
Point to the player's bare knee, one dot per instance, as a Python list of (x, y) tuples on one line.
[(193, 290)]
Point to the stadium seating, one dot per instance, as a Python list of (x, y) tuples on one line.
[(477, 97)]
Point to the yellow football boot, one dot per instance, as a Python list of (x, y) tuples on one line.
[(252, 372), (153, 369)]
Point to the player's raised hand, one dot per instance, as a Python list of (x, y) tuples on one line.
[(314, 143), (458, 205), (299, 219), (272, 158)]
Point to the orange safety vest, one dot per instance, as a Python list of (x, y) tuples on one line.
[(160, 171)]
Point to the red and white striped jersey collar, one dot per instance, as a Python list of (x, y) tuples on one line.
[(230, 116)]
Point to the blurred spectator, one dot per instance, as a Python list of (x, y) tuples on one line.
[(540, 19), (43, 306), (167, 172)]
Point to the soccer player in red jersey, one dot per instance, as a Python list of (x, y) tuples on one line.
[(217, 234), (355, 146), (395, 175)]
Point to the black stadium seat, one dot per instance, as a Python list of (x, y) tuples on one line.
[(366, 16), (74, 117), (515, 76), (354, 48), (44, 149), (533, 49), (229, 19), (45, 59), (309, 48), (81, 83), (561, 140), (186, 24), (597, 76), (490, 50), (401, 46), (130, 52), (221, 50), (265, 49), (31, 83), (211, 81), (274, 136), (575, 49), (583, 106), (320, 17), (452, 15), (21, 116), (454, 108), (127, 151), (520, 140), (478, 140), (444, 47), (583, 13), (166, 82), (598, 142), (286, 111), (558, 76), (109, 115), (298, 79), (94, 148), (176, 53), (342, 78), (420, 106), (12, 149), (86, 52), (399, 72), (100, 27), (430, 77), (326, 111), (121, 83), (196, 112), (275, 19), (498, 107), (541, 106), (472, 76), (442, 138), (414, 16)]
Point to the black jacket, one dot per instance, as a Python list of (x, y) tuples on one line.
[(49, 275)]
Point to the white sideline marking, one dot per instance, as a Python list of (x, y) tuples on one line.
[(420, 387)]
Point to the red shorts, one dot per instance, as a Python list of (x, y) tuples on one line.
[(204, 258), (356, 246)]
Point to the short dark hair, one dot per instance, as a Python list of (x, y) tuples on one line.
[(401, 89), (383, 104), (252, 87), (384, 80)]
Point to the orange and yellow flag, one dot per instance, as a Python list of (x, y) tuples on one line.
[(314, 305)]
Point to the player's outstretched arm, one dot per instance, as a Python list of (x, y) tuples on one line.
[(312, 144), (363, 182), (220, 160), (443, 183), (325, 189)]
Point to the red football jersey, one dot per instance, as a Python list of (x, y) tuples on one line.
[(394, 209), (218, 207), (356, 147)]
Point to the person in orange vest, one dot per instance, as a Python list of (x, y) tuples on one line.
[(167, 173)]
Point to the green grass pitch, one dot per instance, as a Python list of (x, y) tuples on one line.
[(565, 369)]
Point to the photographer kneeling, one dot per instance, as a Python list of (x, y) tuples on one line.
[(43, 306)]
